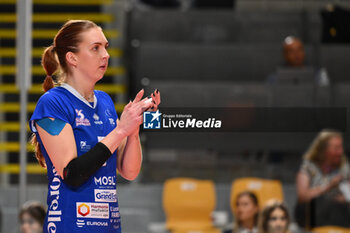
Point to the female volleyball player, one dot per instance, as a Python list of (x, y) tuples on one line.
[(78, 137)]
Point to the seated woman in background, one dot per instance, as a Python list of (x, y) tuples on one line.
[(322, 183), (246, 213), (32, 216), (274, 218)]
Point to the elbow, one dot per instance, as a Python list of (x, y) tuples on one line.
[(71, 175), (130, 178), (303, 197), (129, 175)]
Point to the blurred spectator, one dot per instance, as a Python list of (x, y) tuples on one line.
[(246, 213), (323, 183), (294, 52), (335, 24), (274, 218), (32, 217), (294, 61)]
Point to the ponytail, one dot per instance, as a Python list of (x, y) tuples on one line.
[(38, 154), (50, 65)]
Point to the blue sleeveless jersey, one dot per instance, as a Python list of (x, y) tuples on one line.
[(93, 207)]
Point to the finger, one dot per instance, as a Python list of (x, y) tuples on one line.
[(127, 105), (154, 98), (148, 98), (142, 106), (157, 96), (154, 108), (139, 95), (147, 106)]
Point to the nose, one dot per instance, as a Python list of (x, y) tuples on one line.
[(106, 54)]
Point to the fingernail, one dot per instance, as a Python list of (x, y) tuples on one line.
[(154, 102), (157, 90), (153, 94)]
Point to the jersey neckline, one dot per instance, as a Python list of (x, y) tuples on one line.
[(77, 94)]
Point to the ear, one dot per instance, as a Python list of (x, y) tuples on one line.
[(71, 59)]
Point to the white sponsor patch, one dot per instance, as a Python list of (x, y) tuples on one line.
[(105, 195), (92, 210)]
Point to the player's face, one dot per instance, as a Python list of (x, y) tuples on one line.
[(92, 57), (30, 225), (245, 209), (277, 222), (334, 151)]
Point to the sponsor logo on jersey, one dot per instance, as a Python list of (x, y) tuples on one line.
[(97, 119), (83, 209), (92, 210), (105, 180), (115, 215), (81, 120), (84, 146), (108, 113), (80, 223), (97, 223), (105, 195), (115, 212), (111, 121), (54, 213)]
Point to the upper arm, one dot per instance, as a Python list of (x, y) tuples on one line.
[(61, 148), (303, 183)]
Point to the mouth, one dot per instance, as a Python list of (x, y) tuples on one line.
[(103, 67)]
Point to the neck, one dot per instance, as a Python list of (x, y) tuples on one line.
[(85, 88), (249, 224)]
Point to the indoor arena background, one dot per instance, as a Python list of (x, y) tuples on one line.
[(198, 54)]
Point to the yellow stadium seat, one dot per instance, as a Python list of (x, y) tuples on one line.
[(213, 230), (330, 229), (188, 204), (264, 189)]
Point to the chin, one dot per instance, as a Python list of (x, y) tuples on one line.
[(98, 78)]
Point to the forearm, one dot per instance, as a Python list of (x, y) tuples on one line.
[(114, 139), (311, 193), (129, 163)]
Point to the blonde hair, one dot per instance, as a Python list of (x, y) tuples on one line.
[(316, 151)]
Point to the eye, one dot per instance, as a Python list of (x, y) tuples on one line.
[(95, 48)]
